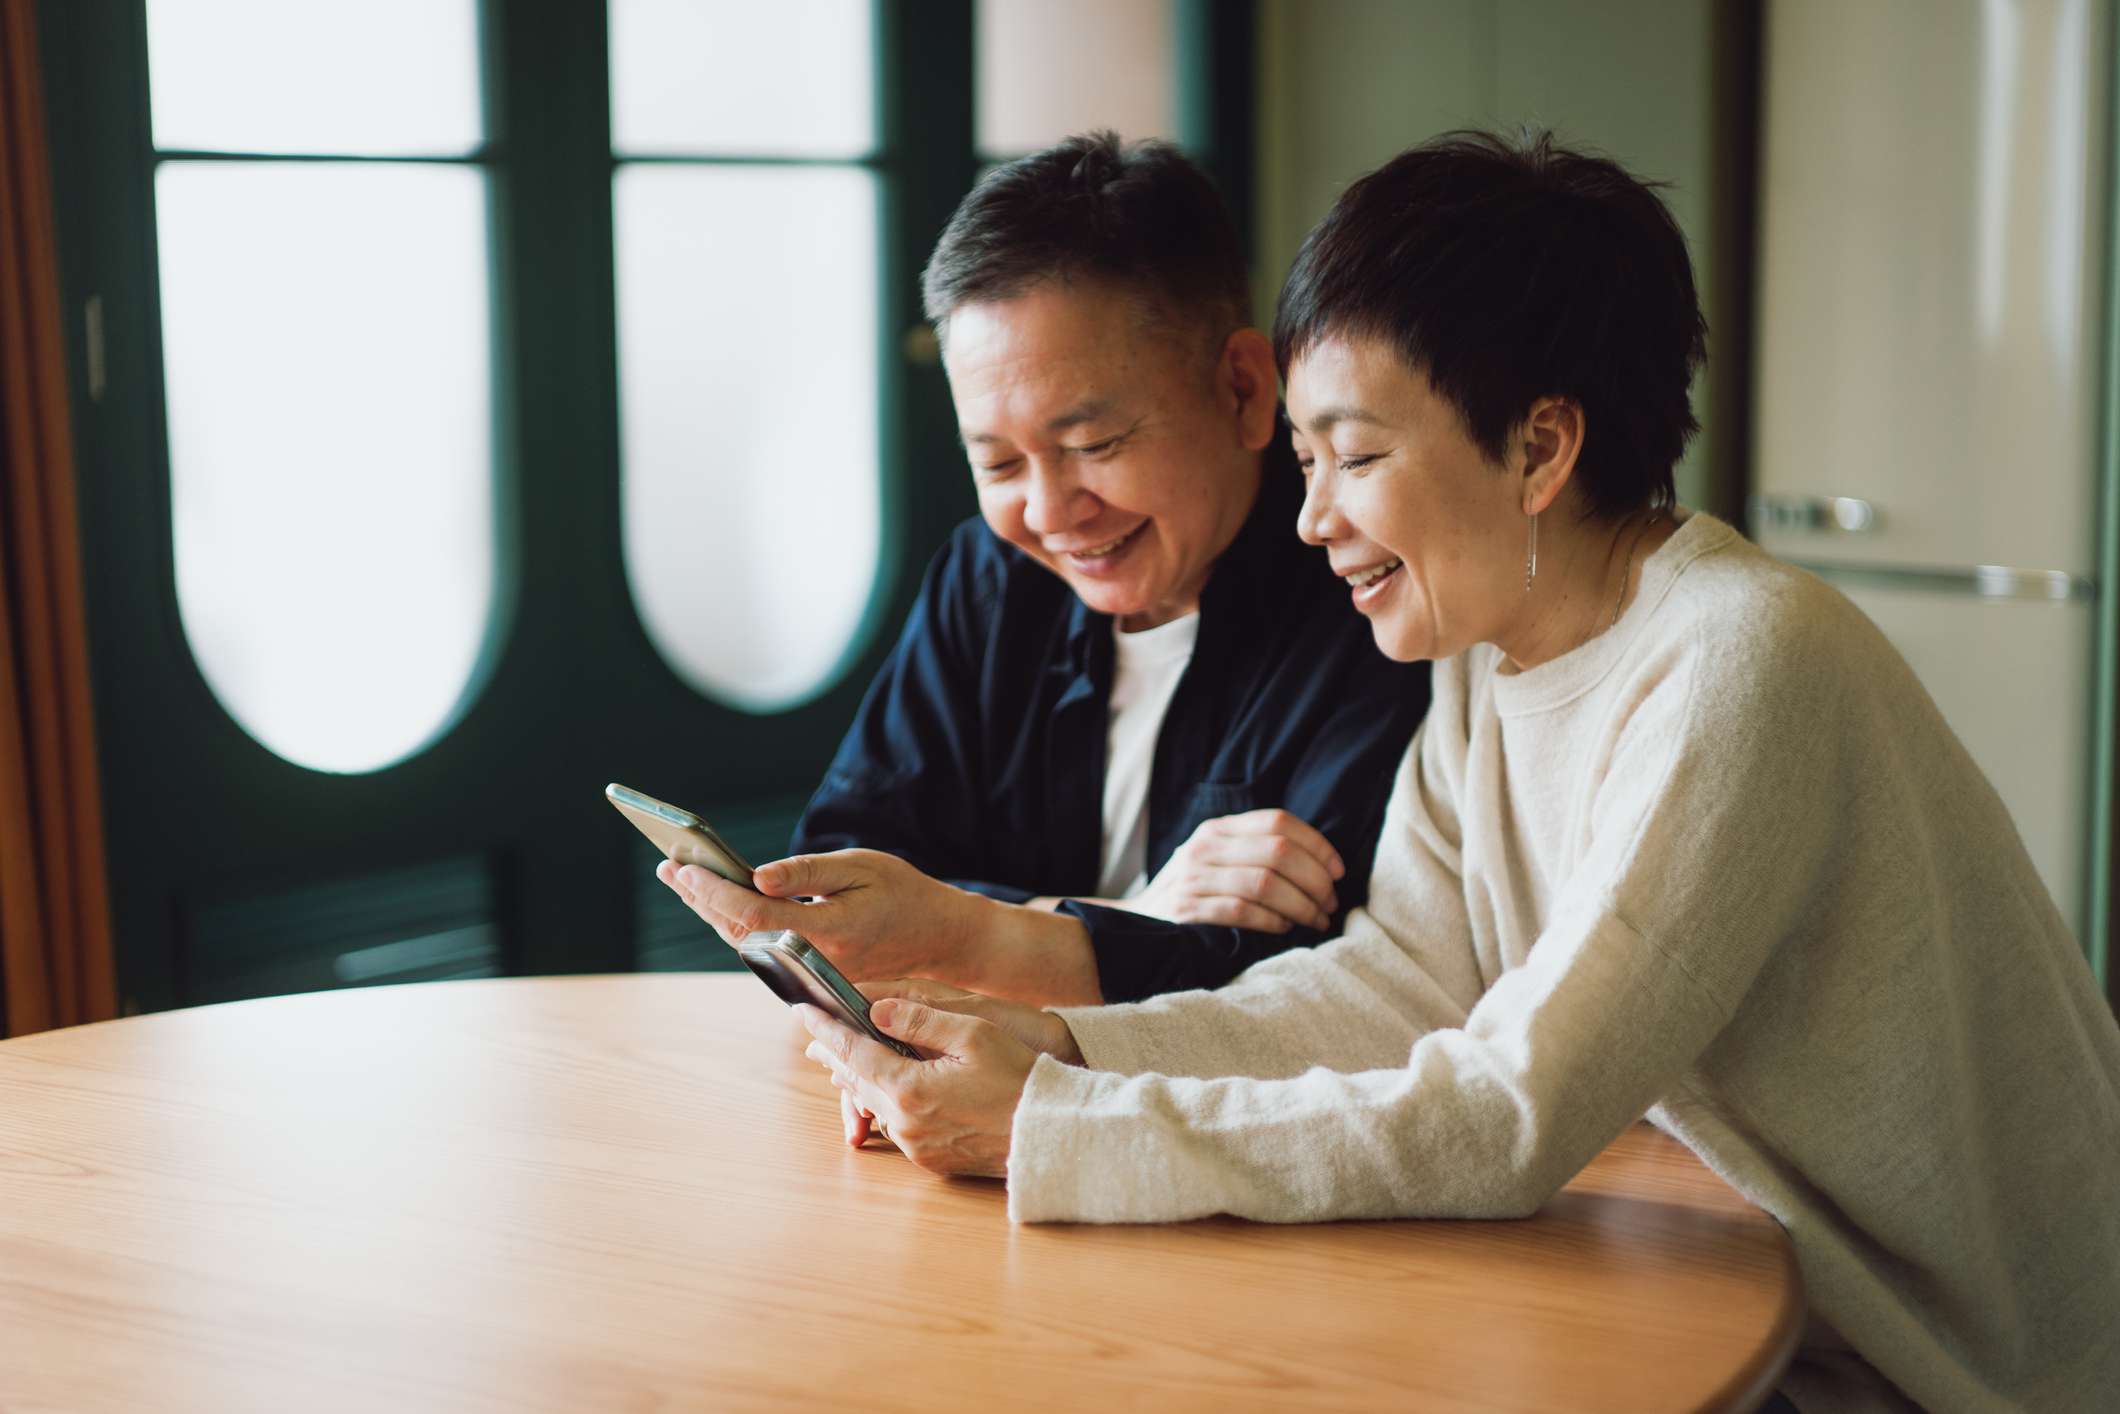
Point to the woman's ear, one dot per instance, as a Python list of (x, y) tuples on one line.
[(1250, 386), (1551, 440)]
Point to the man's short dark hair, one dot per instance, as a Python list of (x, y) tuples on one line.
[(1136, 215), (1507, 271)]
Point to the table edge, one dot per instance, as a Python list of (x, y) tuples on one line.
[(1750, 1387)]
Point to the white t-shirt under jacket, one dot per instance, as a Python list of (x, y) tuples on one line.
[(1726, 866), (1146, 669)]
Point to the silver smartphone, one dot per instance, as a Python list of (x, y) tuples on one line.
[(784, 961), (682, 837)]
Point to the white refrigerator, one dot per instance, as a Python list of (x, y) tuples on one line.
[(1930, 315)]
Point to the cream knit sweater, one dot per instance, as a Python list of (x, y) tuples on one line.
[(1775, 907)]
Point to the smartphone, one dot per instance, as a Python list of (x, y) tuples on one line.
[(683, 837), (797, 972), (786, 962)]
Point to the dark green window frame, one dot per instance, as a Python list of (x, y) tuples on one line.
[(226, 857), (202, 820)]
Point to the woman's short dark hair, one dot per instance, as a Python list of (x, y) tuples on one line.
[(1507, 271), (1137, 215)]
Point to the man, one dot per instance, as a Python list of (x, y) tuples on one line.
[(1128, 681)]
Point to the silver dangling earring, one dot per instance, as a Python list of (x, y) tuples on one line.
[(1531, 556)]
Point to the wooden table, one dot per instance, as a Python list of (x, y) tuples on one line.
[(630, 1193)]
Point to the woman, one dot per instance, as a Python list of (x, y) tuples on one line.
[(1682, 836)]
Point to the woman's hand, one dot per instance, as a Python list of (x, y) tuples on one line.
[(952, 1112), (1265, 870), (1036, 1028), (872, 914)]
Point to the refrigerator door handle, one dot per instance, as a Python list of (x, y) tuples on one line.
[(1979, 581), (1846, 514)]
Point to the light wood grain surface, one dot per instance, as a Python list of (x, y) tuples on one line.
[(629, 1193)]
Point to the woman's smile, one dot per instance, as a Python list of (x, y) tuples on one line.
[(1371, 582)]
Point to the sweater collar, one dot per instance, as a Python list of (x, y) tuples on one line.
[(1561, 681)]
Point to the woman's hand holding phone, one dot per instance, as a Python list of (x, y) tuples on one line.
[(1039, 1030), (953, 1112)]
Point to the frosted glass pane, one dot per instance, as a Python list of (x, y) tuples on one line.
[(795, 77), (377, 77), (1046, 71), (325, 336), (747, 329)]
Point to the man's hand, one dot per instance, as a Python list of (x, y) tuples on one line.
[(952, 1112), (872, 914), (1265, 870)]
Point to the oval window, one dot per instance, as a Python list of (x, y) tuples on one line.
[(747, 392), (325, 339), (748, 330)]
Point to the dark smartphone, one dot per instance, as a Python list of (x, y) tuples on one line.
[(797, 972)]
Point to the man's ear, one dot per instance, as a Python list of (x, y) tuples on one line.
[(1550, 443), (1249, 386)]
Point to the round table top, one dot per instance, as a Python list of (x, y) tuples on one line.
[(606, 1192)]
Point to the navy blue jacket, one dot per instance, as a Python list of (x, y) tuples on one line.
[(978, 753)]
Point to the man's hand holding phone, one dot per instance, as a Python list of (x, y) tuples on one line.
[(796, 971), (872, 914), (867, 914), (943, 1067)]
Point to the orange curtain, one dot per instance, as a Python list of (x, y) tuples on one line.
[(55, 953)]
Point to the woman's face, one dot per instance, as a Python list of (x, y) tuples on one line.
[(1429, 534)]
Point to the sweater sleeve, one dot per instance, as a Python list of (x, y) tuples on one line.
[(1647, 948)]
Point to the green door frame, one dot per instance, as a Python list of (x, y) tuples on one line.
[(2105, 716), (570, 693), (1217, 44)]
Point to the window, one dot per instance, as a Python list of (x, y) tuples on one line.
[(509, 550), (746, 220), (325, 332)]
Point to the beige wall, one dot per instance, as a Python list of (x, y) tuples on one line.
[(1344, 84), (1048, 70)]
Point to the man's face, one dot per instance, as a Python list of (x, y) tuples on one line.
[(1109, 452)]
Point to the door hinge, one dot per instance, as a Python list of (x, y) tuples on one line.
[(94, 319)]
